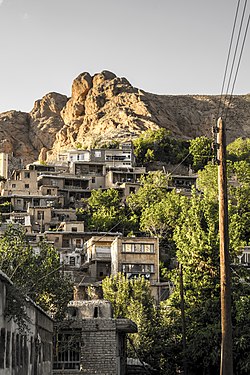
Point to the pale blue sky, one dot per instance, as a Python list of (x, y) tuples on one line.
[(160, 46)]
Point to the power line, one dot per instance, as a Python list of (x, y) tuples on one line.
[(235, 53), (228, 57), (238, 65)]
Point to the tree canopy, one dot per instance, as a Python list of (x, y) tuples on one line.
[(158, 144), (36, 274)]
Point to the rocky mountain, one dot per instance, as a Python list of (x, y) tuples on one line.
[(105, 107)]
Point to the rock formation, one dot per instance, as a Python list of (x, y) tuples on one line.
[(105, 107)]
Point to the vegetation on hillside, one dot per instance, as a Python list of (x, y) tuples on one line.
[(188, 231)]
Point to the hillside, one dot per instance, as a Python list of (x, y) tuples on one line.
[(105, 107)]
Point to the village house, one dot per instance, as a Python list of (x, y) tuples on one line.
[(26, 351), (137, 256), (97, 256), (91, 341)]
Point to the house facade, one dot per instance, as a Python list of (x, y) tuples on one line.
[(91, 341), (25, 351)]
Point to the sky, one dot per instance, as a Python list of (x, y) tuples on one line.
[(169, 47)]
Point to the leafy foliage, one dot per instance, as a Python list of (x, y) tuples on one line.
[(104, 211), (239, 150), (37, 275), (131, 298), (201, 150), (159, 145)]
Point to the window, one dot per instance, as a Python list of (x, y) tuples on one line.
[(245, 257), (65, 242), (49, 191), (93, 180), (67, 350), (26, 186), (138, 248), (26, 174), (13, 186), (74, 229), (98, 154), (40, 215), (137, 268), (78, 242), (19, 201), (72, 261)]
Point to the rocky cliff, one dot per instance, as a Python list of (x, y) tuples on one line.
[(106, 107)]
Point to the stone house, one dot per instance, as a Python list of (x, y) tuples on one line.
[(90, 341), (28, 351)]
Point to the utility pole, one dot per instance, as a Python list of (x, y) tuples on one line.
[(226, 366), (183, 319)]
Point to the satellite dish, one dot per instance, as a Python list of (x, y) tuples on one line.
[(147, 276)]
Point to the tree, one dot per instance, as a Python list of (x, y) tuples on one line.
[(197, 242), (152, 190), (159, 145), (37, 275), (104, 211), (131, 298), (239, 150), (201, 150)]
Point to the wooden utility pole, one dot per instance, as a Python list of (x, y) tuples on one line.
[(183, 319), (226, 367)]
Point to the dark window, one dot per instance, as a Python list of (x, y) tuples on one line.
[(26, 186), (2, 347), (67, 350), (65, 242), (26, 174), (74, 229), (96, 312), (8, 350), (40, 215), (72, 261)]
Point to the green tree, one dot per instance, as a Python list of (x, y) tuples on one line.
[(104, 211), (131, 298), (239, 150), (201, 150), (159, 145), (197, 242), (152, 190), (37, 275)]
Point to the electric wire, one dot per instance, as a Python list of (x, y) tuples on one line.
[(238, 65), (234, 56), (228, 57)]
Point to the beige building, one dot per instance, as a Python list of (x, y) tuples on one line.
[(97, 253), (136, 256), (22, 182)]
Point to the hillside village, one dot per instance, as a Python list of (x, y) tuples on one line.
[(47, 200), (43, 198), (114, 271)]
